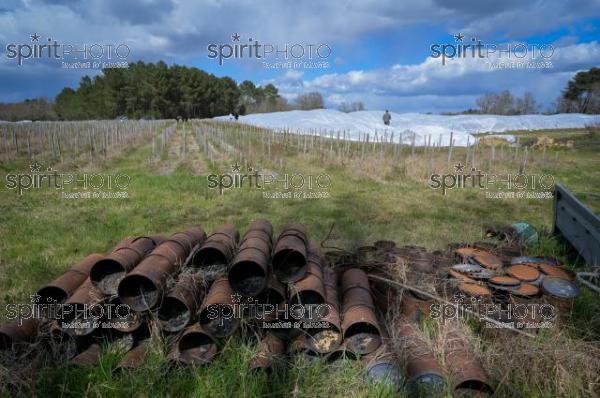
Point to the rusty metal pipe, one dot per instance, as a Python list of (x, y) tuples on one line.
[(465, 369), (197, 346), (61, 288), (217, 311), (109, 270), (84, 307), (135, 357), (219, 247), (88, 358), (383, 367), (269, 355), (142, 289), (249, 273), (360, 327), (424, 374), (181, 303), (18, 332), (290, 254)]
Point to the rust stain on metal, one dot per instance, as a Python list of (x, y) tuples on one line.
[(415, 308), (556, 271), (85, 305), (488, 260)]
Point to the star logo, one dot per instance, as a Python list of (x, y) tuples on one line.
[(235, 37), (235, 167), (35, 37), (459, 297), (35, 167), (458, 167), (459, 37), (236, 297), (35, 298)]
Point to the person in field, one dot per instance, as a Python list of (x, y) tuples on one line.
[(387, 118)]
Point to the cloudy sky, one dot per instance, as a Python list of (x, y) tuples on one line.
[(381, 49)]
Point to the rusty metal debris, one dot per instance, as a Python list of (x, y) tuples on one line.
[(269, 354), (109, 270), (142, 288), (219, 248), (181, 303), (217, 311), (359, 324), (249, 273), (290, 254), (61, 288)]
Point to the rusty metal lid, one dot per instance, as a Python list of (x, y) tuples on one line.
[(523, 272), (559, 287), (466, 251), (474, 271), (559, 272), (472, 289), (504, 281), (488, 260), (458, 275), (526, 290)]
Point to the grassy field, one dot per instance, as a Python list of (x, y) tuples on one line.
[(378, 191)]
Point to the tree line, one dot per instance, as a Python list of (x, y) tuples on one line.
[(148, 90)]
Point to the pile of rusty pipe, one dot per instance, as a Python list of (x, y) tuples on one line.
[(196, 346), (61, 288), (181, 303), (249, 272), (142, 289), (219, 247), (360, 327), (465, 370), (216, 313), (269, 355), (290, 254), (20, 331), (107, 272)]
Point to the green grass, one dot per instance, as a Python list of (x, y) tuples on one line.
[(42, 234)]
